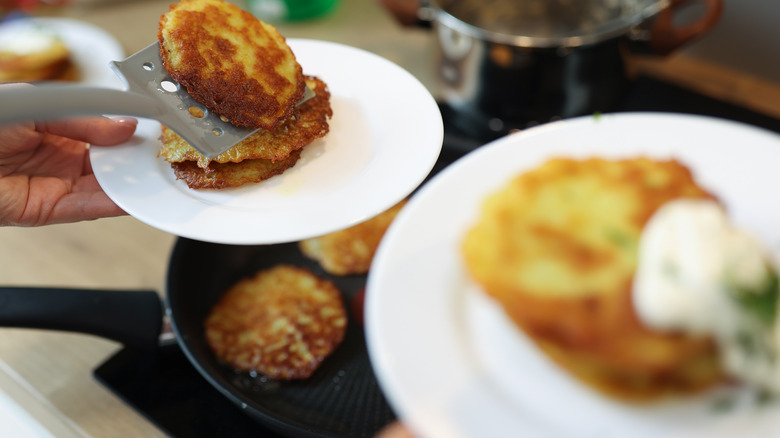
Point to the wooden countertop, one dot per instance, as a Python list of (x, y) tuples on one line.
[(122, 253)]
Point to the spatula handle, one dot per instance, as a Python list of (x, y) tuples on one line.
[(57, 101)]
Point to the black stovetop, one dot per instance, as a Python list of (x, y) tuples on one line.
[(165, 388)]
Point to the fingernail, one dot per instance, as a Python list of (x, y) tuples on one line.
[(126, 121)]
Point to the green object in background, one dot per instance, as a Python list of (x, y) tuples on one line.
[(289, 10)]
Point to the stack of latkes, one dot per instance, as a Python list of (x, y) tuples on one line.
[(243, 70), (557, 248)]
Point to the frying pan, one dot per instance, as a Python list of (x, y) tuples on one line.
[(341, 399)]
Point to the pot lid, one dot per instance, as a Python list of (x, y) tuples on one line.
[(545, 23)]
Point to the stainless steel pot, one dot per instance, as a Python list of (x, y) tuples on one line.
[(507, 64)]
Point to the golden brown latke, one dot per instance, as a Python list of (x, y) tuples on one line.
[(697, 373), (283, 322), (225, 175), (350, 251), (52, 62), (231, 62), (310, 123), (557, 248)]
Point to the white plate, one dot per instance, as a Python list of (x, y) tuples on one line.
[(447, 357), (91, 47), (385, 135)]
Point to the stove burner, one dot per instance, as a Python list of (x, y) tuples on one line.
[(164, 386)]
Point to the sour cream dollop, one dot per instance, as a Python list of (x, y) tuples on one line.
[(699, 274), (26, 41)]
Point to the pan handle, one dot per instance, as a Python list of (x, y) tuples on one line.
[(133, 318), (666, 36), (409, 13)]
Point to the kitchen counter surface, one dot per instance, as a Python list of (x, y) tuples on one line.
[(48, 374)]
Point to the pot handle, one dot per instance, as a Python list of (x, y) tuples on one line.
[(665, 37), (133, 318), (409, 13)]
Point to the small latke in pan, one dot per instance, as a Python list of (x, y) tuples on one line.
[(283, 323), (231, 62), (351, 250)]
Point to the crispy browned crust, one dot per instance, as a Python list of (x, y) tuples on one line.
[(283, 322), (231, 62), (310, 123), (351, 250), (557, 248), (225, 175)]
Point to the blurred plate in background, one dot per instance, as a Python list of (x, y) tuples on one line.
[(453, 365), (91, 48)]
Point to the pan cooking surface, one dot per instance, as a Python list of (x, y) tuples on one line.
[(341, 399)]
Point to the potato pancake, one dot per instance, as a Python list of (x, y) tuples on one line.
[(351, 250), (233, 63), (310, 123), (225, 175), (695, 374), (50, 59), (558, 246), (283, 323)]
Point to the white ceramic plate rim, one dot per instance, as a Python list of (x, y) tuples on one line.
[(91, 48), (385, 136), (450, 362)]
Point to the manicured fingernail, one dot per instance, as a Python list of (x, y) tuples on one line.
[(126, 121)]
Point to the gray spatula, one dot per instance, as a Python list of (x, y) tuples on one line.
[(150, 93)]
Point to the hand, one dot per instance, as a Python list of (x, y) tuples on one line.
[(395, 430), (45, 173)]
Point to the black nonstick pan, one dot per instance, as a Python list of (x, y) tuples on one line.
[(341, 399)]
